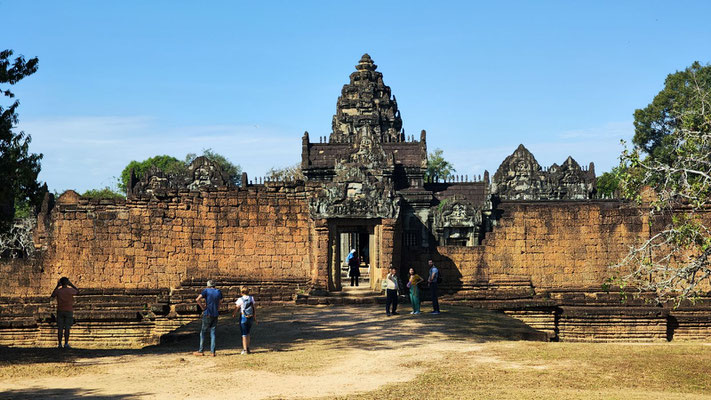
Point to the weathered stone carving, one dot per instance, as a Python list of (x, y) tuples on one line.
[(204, 173), (520, 177), (366, 102), (360, 189), (201, 173), (457, 222)]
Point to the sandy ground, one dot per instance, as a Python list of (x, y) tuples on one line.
[(299, 352)]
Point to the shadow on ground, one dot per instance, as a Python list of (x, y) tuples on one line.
[(291, 327), (73, 393)]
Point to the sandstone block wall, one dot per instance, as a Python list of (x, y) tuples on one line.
[(557, 244), (258, 233)]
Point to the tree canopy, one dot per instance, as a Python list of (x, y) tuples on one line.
[(678, 103), (18, 167), (172, 165), (668, 173), (438, 168), (608, 183)]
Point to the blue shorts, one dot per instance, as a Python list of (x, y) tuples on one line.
[(245, 325)]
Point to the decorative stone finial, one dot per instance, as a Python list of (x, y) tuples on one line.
[(366, 63)]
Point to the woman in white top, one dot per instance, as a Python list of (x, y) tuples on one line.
[(248, 315)]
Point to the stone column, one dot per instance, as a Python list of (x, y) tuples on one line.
[(319, 251)]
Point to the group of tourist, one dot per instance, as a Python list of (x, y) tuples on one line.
[(393, 289), (210, 298)]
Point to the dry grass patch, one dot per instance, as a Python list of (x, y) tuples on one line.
[(526, 370)]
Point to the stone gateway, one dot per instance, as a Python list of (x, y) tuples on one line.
[(535, 243)]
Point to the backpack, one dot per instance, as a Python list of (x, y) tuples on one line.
[(439, 276), (247, 307)]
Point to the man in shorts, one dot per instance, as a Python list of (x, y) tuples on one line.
[(209, 300), (64, 292)]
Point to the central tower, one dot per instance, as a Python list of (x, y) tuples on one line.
[(365, 104)]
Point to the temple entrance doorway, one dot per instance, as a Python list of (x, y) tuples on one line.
[(358, 240), (355, 235)]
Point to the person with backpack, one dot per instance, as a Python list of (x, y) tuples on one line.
[(209, 301), (433, 281), (248, 316)]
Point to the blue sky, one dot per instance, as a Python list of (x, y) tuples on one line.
[(127, 80)]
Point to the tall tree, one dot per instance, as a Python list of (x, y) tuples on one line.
[(18, 167), (679, 102), (673, 184), (438, 168)]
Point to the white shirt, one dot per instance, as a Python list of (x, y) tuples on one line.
[(240, 302)]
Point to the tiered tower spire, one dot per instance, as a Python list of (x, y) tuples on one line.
[(366, 104)]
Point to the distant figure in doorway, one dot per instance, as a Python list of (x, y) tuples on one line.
[(433, 282), (248, 316), (391, 292), (209, 301), (64, 292), (353, 267), (413, 283)]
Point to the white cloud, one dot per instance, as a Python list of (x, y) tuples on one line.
[(88, 152)]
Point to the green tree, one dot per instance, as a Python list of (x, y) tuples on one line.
[(438, 168), (18, 167), (655, 125), (167, 164), (675, 192), (608, 182), (173, 166)]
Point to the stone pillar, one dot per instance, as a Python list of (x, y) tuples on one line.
[(319, 251), (388, 247)]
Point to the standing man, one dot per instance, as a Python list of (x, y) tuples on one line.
[(64, 292), (391, 291), (432, 282), (209, 300), (354, 267)]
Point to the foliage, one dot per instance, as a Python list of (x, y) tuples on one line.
[(608, 183), (438, 168), (656, 124), (18, 167), (172, 166), (233, 171), (105, 193), (167, 164), (675, 190), (290, 173)]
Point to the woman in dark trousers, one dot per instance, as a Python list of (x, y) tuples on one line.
[(354, 268)]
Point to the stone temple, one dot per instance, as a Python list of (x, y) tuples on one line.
[(533, 242)]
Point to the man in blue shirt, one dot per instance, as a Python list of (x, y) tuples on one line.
[(209, 300), (432, 281)]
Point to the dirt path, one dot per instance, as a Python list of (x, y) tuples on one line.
[(299, 353)]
